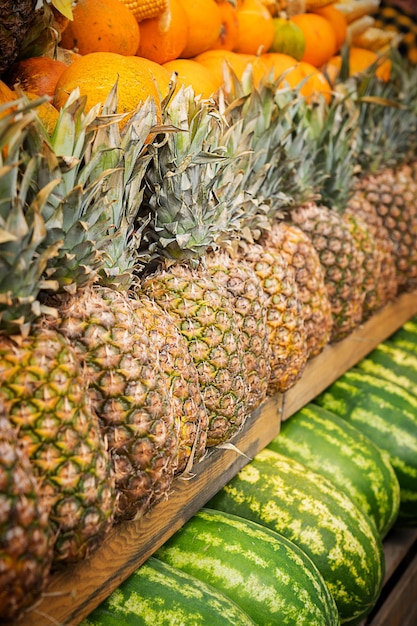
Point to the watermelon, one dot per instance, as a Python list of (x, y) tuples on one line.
[(387, 414), (160, 595), (406, 336), (392, 363), (268, 576), (304, 506), (331, 446)]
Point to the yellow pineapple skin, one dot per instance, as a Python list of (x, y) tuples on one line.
[(286, 330), (43, 389), (26, 535), (203, 313), (310, 279), (182, 377), (342, 263), (129, 394), (249, 302)]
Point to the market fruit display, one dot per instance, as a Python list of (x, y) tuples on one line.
[(160, 594), (304, 506), (331, 446), (172, 259), (386, 413), (264, 573)]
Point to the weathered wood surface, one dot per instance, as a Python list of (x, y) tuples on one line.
[(74, 592)]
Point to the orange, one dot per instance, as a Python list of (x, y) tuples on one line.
[(256, 27), (96, 73), (218, 60), (163, 38), (227, 39), (338, 21), (37, 74), (204, 21), (359, 60), (46, 112), (102, 26), (189, 72), (320, 38), (313, 81), (279, 62)]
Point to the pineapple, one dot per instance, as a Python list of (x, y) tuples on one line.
[(94, 271), (26, 536), (42, 387), (267, 243), (186, 219), (15, 21), (319, 213), (385, 143)]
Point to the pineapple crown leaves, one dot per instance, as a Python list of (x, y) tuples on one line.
[(23, 253), (386, 127), (186, 218), (94, 207)]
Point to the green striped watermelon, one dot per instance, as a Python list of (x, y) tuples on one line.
[(406, 336), (268, 576), (392, 363), (387, 414), (160, 595), (331, 446), (304, 506)]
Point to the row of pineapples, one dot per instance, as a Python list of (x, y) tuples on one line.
[(160, 278)]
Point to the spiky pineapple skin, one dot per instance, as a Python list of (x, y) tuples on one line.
[(342, 263), (26, 535), (249, 302), (15, 20), (310, 279), (176, 363), (286, 330), (45, 397), (203, 313), (392, 192), (129, 394)]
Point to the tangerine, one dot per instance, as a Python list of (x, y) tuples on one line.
[(310, 81), (37, 74), (338, 21), (95, 75), (218, 60), (288, 38), (204, 21), (360, 59), (102, 26), (255, 27), (229, 29), (320, 38), (279, 62), (199, 77), (163, 38)]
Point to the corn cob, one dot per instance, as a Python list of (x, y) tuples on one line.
[(145, 9)]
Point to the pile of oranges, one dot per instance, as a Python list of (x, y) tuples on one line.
[(195, 41)]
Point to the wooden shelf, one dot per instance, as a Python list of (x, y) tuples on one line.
[(73, 592)]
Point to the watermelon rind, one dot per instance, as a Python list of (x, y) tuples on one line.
[(304, 506), (393, 363), (157, 594), (268, 576), (328, 444), (387, 414)]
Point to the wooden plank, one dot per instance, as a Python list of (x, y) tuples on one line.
[(73, 593), (396, 547), (337, 358), (400, 607)]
